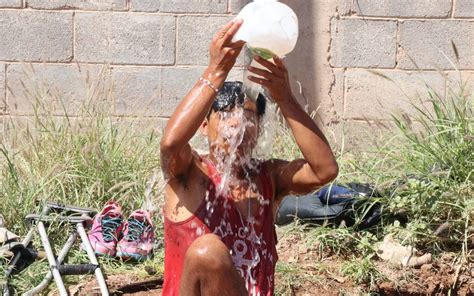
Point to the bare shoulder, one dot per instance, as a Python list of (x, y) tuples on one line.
[(184, 194), (288, 176), (197, 177), (275, 165)]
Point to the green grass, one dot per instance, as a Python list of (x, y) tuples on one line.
[(292, 277), (431, 171), (425, 172), (82, 161), (362, 271)]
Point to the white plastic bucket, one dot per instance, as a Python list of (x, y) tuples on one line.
[(269, 27)]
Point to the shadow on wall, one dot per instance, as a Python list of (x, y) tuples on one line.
[(301, 62), (316, 85)]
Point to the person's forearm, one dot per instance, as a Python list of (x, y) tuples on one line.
[(192, 111), (310, 139)]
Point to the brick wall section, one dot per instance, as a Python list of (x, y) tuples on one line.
[(150, 52), (36, 36), (125, 39), (408, 42), (154, 50), (402, 8), (426, 44), (363, 43)]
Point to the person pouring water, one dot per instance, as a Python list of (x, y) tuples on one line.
[(219, 208)]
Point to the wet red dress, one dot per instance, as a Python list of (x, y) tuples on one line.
[(252, 242)]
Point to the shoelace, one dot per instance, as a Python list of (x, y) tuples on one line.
[(135, 229), (109, 226)]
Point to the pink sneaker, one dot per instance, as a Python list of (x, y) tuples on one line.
[(106, 229), (138, 237)]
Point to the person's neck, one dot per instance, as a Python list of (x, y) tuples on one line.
[(239, 172)]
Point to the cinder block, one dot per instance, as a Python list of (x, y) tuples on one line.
[(145, 5), (125, 38), (2, 89), (194, 36), (397, 8), (53, 87), (464, 8), (428, 44), (78, 4), (174, 90), (371, 96), (363, 43), (137, 91), (10, 3), (202, 6), (237, 5), (35, 36)]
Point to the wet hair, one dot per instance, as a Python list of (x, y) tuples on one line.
[(232, 93)]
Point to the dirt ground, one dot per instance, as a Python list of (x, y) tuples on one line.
[(436, 278), (123, 284), (432, 279), (319, 274)]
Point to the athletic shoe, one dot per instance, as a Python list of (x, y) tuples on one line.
[(138, 237), (106, 229)]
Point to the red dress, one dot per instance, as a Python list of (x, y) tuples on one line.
[(252, 242)]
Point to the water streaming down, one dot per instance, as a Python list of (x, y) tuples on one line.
[(234, 154), (267, 132)]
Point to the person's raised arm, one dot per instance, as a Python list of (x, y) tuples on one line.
[(319, 165), (176, 153)]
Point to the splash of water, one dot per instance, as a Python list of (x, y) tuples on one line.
[(231, 157), (268, 129), (228, 157), (154, 190)]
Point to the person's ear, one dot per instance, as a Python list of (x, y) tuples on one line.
[(204, 127)]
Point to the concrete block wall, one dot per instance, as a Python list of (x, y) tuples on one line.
[(146, 54), (359, 61), (152, 51)]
